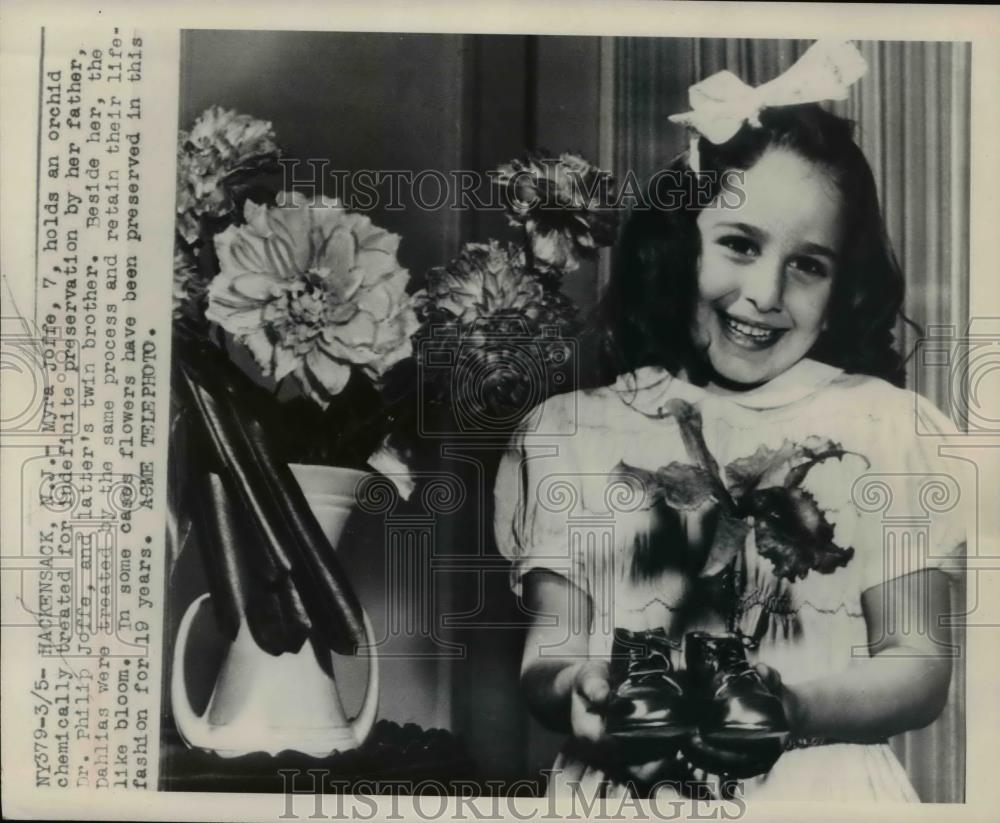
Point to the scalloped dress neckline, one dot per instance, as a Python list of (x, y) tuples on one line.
[(648, 387)]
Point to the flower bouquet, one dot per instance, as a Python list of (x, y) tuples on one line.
[(299, 338), (337, 353), (343, 353)]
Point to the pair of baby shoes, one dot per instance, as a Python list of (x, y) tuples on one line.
[(717, 710)]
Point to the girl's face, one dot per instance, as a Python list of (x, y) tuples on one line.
[(767, 269)]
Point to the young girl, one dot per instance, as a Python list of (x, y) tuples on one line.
[(772, 314)]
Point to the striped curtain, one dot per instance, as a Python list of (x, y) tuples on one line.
[(912, 111), (912, 114)]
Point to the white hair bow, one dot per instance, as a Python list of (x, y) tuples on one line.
[(722, 103)]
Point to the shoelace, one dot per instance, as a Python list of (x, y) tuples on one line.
[(734, 665), (652, 663)]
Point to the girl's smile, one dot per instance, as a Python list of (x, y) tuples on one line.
[(766, 269), (749, 334)]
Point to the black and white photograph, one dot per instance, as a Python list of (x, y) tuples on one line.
[(535, 410), (561, 415)]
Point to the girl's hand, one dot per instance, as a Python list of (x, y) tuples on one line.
[(589, 700), (572, 690), (772, 680)]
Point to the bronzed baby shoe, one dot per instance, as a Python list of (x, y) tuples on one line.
[(733, 705), (739, 760), (648, 700)]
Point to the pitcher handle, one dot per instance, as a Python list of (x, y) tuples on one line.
[(193, 728), (362, 724)]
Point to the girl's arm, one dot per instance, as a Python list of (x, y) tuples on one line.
[(902, 686), (566, 690), (563, 687)]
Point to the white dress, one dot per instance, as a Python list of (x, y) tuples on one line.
[(890, 497)]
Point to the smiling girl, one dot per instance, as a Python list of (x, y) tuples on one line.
[(767, 271), (773, 317)]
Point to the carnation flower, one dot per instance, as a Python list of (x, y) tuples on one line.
[(313, 291), (562, 205), (220, 145), (502, 332)]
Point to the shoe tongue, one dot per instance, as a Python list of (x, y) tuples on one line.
[(726, 654), (732, 652), (640, 653), (653, 661)]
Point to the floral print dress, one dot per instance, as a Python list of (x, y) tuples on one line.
[(890, 500)]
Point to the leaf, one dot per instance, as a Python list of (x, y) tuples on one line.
[(728, 540), (220, 553), (290, 542), (792, 532), (277, 618)]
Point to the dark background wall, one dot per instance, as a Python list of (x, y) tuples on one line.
[(407, 102), (380, 101)]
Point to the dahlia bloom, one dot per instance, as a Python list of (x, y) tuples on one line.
[(503, 333), (313, 292), (562, 204)]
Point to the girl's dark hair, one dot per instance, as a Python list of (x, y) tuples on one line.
[(644, 317)]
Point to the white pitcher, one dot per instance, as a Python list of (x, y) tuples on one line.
[(270, 703)]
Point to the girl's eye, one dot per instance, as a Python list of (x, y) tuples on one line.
[(809, 265), (743, 246)]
